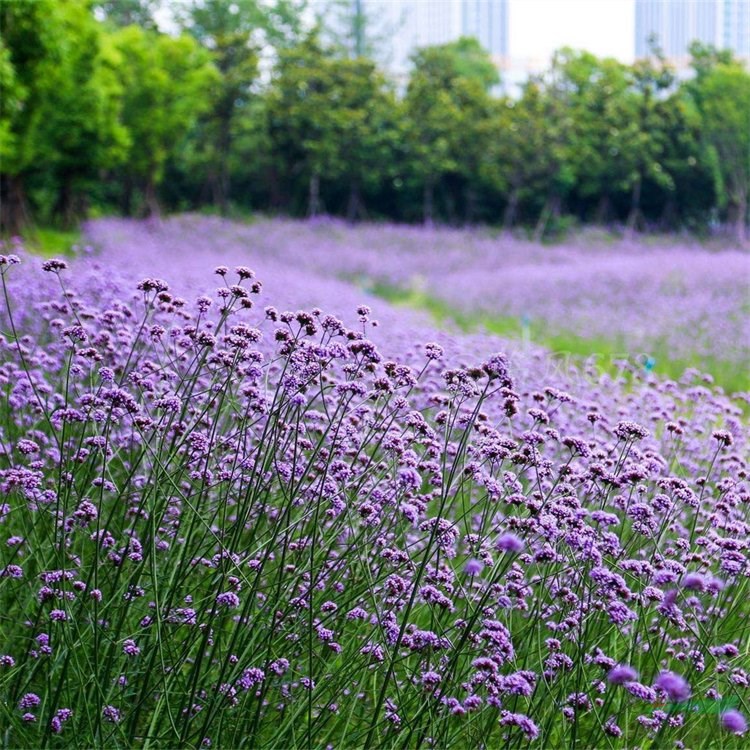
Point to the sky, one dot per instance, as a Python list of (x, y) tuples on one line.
[(539, 27)]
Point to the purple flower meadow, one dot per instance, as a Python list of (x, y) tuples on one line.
[(244, 515)]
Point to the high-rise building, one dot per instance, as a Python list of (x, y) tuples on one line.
[(676, 23), (399, 27), (736, 27), (487, 20)]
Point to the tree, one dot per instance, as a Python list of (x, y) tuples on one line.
[(363, 109), (357, 28), (227, 30), (472, 62), (726, 126), (443, 99), (166, 82), (30, 55), (593, 93), (330, 119), (646, 131), (80, 132), (721, 93), (130, 12), (300, 121)]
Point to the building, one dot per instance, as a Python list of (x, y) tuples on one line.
[(735, 27), (396, 28), (487, 20), (676, 23)]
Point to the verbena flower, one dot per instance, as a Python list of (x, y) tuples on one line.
[(733, 721)]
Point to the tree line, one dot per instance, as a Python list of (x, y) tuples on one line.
[(245, 106)]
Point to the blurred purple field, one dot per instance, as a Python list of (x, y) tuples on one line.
[(678, 302)]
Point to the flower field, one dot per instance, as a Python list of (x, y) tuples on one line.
[(683, 302), (266, 509)]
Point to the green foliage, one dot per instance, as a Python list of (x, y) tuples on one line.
[(248, 108), (330, 118), (446, 100), (472, 62), (226, 29), (81, 132), (722, 93), (29, 57), (11, 103), (355, 27), (129, 12), (166, 82)]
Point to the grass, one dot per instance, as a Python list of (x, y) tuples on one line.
[(731, 376), (50, 242)]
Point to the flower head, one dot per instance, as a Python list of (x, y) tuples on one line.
[(622, 673), (509, 542), (675, 686), (733, 721)]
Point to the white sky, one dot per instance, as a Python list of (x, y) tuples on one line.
[(539, 27)]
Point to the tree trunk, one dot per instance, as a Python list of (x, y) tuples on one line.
[(471, 204), (126, 197), (355, 208), (153, 210), (276, 198), (511, 207), (740, 222), (68, 203), (14, 208), (428, 198), (603, 209), (313, 203), (543, 220), (221, 193), (635, 207)]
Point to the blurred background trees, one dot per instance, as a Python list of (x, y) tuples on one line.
[(135, 106)]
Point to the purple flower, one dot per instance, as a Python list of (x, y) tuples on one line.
[(693, 582), (431, 679), (130, 648), (733, 721), (523, 722), (675, 687), (111, 714), (629, 430), (643, 692), (474, 567), (433, 351), (30, 700), (61, 716), (54, 265), (621, 674), (509, 542), (250, 678), (723, 437), (228, 599)]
